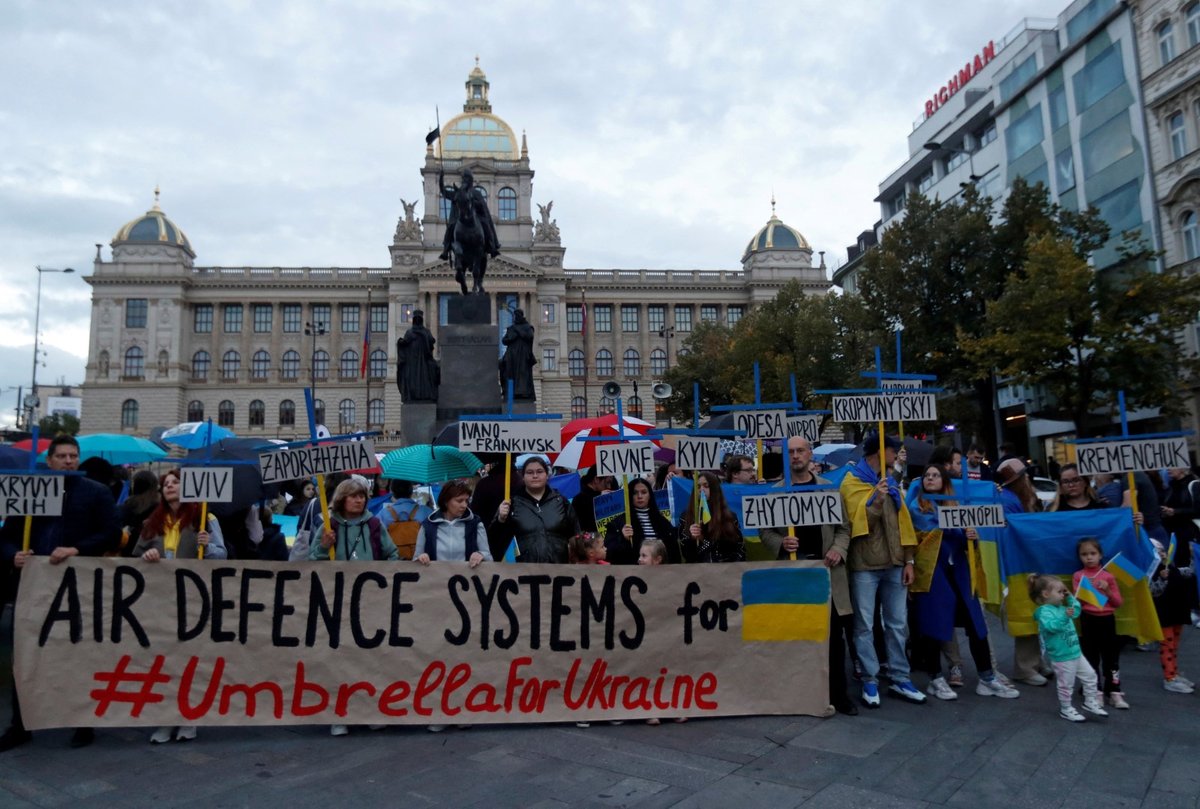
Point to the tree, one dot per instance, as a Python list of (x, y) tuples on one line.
[(57, 423)]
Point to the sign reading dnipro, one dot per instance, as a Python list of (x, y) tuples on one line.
[(885, 407), (31, 495), (633, 458), (112, 642), (1132, 455), (987, 515), (782, 509), (211, 484), (761, 424), (323, 459), (698, 454), (515, 437), (808, 427)]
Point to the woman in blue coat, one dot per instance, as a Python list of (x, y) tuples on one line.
[(948, 601)]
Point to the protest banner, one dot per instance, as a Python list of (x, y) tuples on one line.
[(807, 427), (786, 509), (206, 484), (632, 458), (884, 407), (1132, 455), (698, 454), (322, 459), (987, 515), (761, 425), (109, 642), (31, 495), (511, 437)]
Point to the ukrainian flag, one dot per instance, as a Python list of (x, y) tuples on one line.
[(1088, 593), (1125, 572), (785, 604)]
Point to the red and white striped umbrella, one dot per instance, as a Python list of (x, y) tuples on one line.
[(578, 454)]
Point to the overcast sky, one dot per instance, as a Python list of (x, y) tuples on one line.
[(285, 133)]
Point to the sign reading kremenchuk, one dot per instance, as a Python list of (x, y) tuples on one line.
[(108, 642)]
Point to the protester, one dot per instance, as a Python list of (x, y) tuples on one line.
[(1018, 497), (1171, 587), (1178, 510), (1098, 625), (592, 485), (1108, 489), (142, 501), (663, 475), (488, 493), (307, 492), (1147, 503), (652, 552), (541, 519), (587, 548), (1056, 613), (739, 470), (977, 468), (623, 540), (354, 534), (713, 535), (401, 516), (452, 533), (1075, 492)]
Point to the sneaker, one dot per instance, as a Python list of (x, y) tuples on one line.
[(955, 680), (1176, 687), (14, 737), (186, 734), (870, 694), (1117, 700), (653, 721), (339, 730), (1179, 678), (1033, 679), (1094, 707), (583, 724), (1000, 678), (938, 687), (908, 691), (995, 688), (1071, 715), (435, 728), (161, 736), (1149, 646)]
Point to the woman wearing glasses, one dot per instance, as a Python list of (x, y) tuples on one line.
[(1074, 491)]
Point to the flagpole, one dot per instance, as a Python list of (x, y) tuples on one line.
[(365, 364)]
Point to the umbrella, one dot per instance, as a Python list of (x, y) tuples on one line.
[(195, 434), (27, 444), (836, 454), (664, 455), (248, 487), (426, 463), (13, 459), (918, 451), (579, 454), (117, 449)]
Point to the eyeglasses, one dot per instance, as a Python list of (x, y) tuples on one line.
[(747, 469), (1069, 481)]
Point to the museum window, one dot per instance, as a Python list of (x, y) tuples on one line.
[(603, 312), (986, 135), (135, 363), (378, 365), (232, 313), (136, 312), (1190, 233), (604, 362), (375, 413), (1018, 78), (656, 316), (260, 365), (287, 413), (658, 362), (507, 204), (629, 317), (1086, 18), (608, 406), (379, 318), (290, 367), (1121, 208), (574, 318), (549, 359), (683, 318), (202, 318), (349, 365), (225, 414), (322, 315), (201, 361), (1166, 42), (1193, 24), (346, 415), (231, 363), (319, 411), (1178, 136), (578, 407), (320, 364), (925, 181), (349, 312), (195, 410), (632, 362), (635, 406), (733, 314), (958, 158), (129, 414), (293, 313), (549, 313), (576, 366), (256, 414), (710, 313), (263, 315)]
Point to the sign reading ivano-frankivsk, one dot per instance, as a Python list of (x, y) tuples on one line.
[(1132, 455), (31, 495), (322, 459), (513, 437)]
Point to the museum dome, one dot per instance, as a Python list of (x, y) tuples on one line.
[(775, 235), (153, 227), (477, 132)]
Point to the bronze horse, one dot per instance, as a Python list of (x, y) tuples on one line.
[(469, 248)]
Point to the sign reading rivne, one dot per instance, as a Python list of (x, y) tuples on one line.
[(114, 643), (1132, 455), (631, 458), (323, 459), (514, 437)]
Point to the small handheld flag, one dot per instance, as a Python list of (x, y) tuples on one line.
[(1125, 572), (1171, 548), (705, 514), (513, 551), (1088, 594)]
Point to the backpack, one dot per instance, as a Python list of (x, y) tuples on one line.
[(404, 532)]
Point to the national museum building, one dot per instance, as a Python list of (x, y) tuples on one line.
[(173, 341)]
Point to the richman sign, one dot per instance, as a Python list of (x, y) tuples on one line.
[(958, 81)]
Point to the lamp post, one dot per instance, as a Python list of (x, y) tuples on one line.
[(314, 330), (666, 332), (31, 401), (935, 146)]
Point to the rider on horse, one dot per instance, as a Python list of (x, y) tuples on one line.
[(481, 210)]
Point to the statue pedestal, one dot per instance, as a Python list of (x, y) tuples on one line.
[(470, 356), (417, 422)]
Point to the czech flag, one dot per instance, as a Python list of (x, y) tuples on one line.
[(785, 604), (1088, 594), (366, 345), (1125, 572)]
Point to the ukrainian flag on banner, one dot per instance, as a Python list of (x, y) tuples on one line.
[(1045, 543), (785, 604)]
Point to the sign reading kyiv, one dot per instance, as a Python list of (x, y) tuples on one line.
[(634, 458), (698, 454), (31, 495), (514, 437), (323, 459), (885, 407), (206, 484), (1132, 455), (988, 515), (791, 508)]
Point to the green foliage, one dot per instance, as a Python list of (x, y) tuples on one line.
[(50, 426)]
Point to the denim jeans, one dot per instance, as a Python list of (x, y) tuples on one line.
[(893, 596)]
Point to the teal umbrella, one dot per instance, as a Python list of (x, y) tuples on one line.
[(426, 463), (117, 449)]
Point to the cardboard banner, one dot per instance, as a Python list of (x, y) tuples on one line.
[(611, 505), (1132, 455), (885, 407), (515, 437), (698, 454), (111, 642), (633, 458), (212, 484), (323, 459), (808, 427), (781, 509), (31, 495), (761, 424), (987, 515)]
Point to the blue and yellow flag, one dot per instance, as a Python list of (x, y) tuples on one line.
[(705, 513), (1123, 571), (1172, 546), (512, 552), (785, 604), (857, 493), (1088, 593)]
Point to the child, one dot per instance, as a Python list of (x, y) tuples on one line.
[(1098, 625), (1056, 613), (1171, 587), (587, 548), (652, 552)]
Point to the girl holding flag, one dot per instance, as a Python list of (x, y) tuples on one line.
[(1098, 622), (1171, 586), (713, 535)]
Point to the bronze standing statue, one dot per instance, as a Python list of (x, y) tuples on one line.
[(470, 233), (417, 372), (517, 362)]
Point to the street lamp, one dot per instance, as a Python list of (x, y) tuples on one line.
[(314, 330), (666, 332), (935, 146), (31, 401)]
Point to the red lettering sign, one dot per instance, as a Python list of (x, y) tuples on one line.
[(959, 79)]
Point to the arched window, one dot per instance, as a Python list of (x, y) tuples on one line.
[(378, 367), (287, 413), (257, 413), (320, 364), (135, 363), (231, 363), (225, 413), (578, 407), (1166, 42), (346, 418), (349, 366), (575, 364), (635, 406), (201, 361), (658, 362), (604, 362), (607, 406), (482, 192), (508, 204), (632, 362), (1193, 24), (319, 410), (290, 367), (1191, 236), (375, 413), (195, 411), (1178, 135), (260, 365), (129, 414)]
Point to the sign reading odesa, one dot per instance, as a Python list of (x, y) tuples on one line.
[(959, 80)]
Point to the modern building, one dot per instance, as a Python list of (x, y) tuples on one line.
[(172, 340)]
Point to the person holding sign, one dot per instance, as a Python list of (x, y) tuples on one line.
[(540, 518), (712, 535), (1018, 497), (947, 597), (1074, 491), (173, 531), (452, 533), (355, 535), (623, 540)]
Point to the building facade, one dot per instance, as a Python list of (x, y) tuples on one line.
[(174, 341)]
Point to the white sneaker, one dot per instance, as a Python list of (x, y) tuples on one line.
[(1117, 700), (339, 730), (1177, 687), (186, 734), (1094, 707), (161, 735), (1179, 678), (995, 688), (435, 728), (1070, 714), (938, 687)]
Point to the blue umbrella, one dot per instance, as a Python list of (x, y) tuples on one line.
[(117, 449), (12, 459), (195, 434)]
